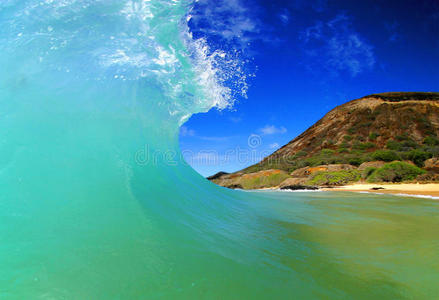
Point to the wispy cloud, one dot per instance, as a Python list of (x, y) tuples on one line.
[(271, 129), (215, 138), (228, 20), (235, 119), (185, 131), (274, 146), (285, 16), (338, 47)]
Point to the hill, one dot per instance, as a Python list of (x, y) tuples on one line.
[(397, 126)]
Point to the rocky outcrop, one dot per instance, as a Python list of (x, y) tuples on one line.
[(255, 180), (371, 164), (307, 171), (292, 182), (296, 184), (432, 164)]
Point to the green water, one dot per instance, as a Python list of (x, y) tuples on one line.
[(96, 202)]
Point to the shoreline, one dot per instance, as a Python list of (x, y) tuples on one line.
[(430, 190)]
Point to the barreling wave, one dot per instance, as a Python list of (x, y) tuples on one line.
[(96, 199), (122, 43), (96, 203)]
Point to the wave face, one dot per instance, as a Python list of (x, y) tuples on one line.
[(96, 203)]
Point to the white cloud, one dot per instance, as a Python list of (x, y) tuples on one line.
[(230, 20), (338, 47), (285, 16), (274, 146), (235, 119), (185, 131), (271, 129)]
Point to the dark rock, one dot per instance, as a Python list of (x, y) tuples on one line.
[(217, 175), (234, 186), (299, 187)]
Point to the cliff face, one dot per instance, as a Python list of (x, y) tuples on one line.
[(376, 118), (385, 127)]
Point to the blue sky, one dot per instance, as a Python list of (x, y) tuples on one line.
[(308, 57)]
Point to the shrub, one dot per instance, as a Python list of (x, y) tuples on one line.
[(409, 143), (395, 172), (327, 152), (431, 141), (356, 161), (301, 153), (364, 146), (418, 156), (393, 145), (385, 155), (334, 178), (368, 171), (343, 145), (402, 137), (373, 136), (347, 138)]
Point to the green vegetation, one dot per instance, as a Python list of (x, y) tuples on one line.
[(334, 178), (417, 156), (347, 138), (395, 172), (327, 152), (263, 181), (431, 141), (385, 155), (364, 146), (367, 172), (355, 150), (373, 136)]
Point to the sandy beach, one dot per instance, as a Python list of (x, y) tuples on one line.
[(419, 189)]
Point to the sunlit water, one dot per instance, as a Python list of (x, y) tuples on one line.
[(95, 202)]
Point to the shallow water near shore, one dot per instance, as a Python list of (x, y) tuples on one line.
[(95, 202)]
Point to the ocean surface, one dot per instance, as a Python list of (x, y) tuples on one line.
[(97, 203)]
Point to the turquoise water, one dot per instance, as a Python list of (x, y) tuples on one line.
[(96, 203)]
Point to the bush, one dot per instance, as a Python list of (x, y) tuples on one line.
[(327, 152), (402, 137), (347, 138), (395, 172), (385, 155), (373, 136), (356, 161), (334, 178), (301, 153), (364, 146), (368, 171), (418, 157), (393, 145), (431, 141)]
